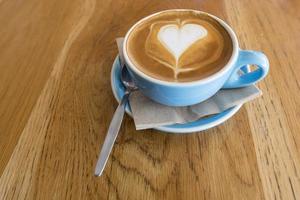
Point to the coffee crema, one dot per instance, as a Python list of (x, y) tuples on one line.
[(179, 46)]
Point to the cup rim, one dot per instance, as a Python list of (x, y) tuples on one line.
[(214, 76)]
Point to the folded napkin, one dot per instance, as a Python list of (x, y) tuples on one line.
[(149, 114)]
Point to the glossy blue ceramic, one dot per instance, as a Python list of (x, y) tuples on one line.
[(190, 127), (189, 93)]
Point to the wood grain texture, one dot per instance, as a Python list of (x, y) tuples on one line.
[(56, 105)]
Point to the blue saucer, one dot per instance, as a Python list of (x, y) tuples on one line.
[(199, 125)]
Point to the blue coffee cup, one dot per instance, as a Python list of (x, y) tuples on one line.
[(189, 93)]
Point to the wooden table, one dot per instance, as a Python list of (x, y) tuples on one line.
[(56, 105)]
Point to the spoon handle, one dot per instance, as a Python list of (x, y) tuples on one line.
[(111, 136)]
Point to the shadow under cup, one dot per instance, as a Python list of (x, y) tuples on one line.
[(189, 93)]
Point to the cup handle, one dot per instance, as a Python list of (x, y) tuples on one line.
[(245, 58)]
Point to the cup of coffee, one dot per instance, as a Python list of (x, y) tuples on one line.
[(182, 57)]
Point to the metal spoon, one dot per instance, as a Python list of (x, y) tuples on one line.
[(116, 121)]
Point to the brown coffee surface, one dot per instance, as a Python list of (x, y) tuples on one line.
[(179, 46)]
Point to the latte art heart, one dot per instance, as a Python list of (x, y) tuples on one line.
[(178, 39), (179, 46)]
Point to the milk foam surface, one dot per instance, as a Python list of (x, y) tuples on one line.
[(177, 39), (179, 46)]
